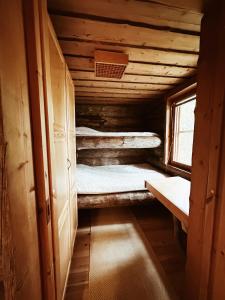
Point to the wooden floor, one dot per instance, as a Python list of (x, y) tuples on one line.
[(157, 226), (78, 281)]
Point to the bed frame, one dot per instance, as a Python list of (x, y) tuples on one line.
[(93, 139), (115, 199), (88, 139)]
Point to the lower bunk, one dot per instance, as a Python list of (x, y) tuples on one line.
[(114, 185)]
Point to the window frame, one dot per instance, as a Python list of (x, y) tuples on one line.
[(179, 95)]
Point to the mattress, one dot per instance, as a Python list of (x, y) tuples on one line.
[(86, 131), (114, 178)]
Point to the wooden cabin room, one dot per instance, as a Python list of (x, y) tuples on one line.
[(112, 149)]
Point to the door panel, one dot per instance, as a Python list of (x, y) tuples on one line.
[(58, 87), (71, 155), (64, 249), (61, 169)]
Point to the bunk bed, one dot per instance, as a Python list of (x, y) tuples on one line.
[(114, 185), (88, 138)]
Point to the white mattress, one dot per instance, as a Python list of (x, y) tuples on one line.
[(86, 131), (114, 178)]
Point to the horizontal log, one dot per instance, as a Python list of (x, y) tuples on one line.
[(132, 11), (96, 142), (112, 153), (109, 112), (95, 114), (97, 124), (116, 90), (125, 127), (118, 128), (111, 101), (102, 161), (108, 121), (149, 96), (121, 85), (192, 5), (83, 63), (116, 199), (119, 111), (86, 75), (81, 48), (100, 157), (72, 27)]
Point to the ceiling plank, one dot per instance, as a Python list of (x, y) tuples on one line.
[(121, 85), (70, 27), (127, 78), (132, 11), (115, 95), (83, 63), (151, 69), (109, 100), (116, 90), (191, 5), (135, 54)]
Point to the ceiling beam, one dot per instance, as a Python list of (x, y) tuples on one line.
[(110, 100), (116, 90), (92, 30), (122, 85), (87, 48), (83, 63), (90, 75), (149, 13), (115, 95)]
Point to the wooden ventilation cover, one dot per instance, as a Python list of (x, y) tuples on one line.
[(110, 64)]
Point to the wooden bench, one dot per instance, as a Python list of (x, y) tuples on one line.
[(173, 193)]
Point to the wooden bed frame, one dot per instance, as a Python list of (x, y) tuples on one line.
[(122, 140), (114, 199)]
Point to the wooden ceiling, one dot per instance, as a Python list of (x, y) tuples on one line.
[(161, 38)]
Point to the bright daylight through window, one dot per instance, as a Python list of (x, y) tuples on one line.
[(183, 132)]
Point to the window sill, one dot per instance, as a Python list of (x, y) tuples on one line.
[(177, 171)]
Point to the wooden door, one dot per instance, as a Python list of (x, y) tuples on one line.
[(60, 162), (71, 141)]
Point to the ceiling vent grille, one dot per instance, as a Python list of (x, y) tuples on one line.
[(110, 64)]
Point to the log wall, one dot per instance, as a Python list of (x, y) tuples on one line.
[(116, 118), (111, 117)]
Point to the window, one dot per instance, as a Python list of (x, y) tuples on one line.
[(180, 130)]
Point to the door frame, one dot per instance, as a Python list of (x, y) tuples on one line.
[(39, 126), (205, 247)]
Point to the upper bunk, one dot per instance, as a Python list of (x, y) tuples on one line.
[(88, 138)]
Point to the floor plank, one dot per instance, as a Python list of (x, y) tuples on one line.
[(78, 281)]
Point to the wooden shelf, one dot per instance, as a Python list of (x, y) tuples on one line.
[(173, 193)]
